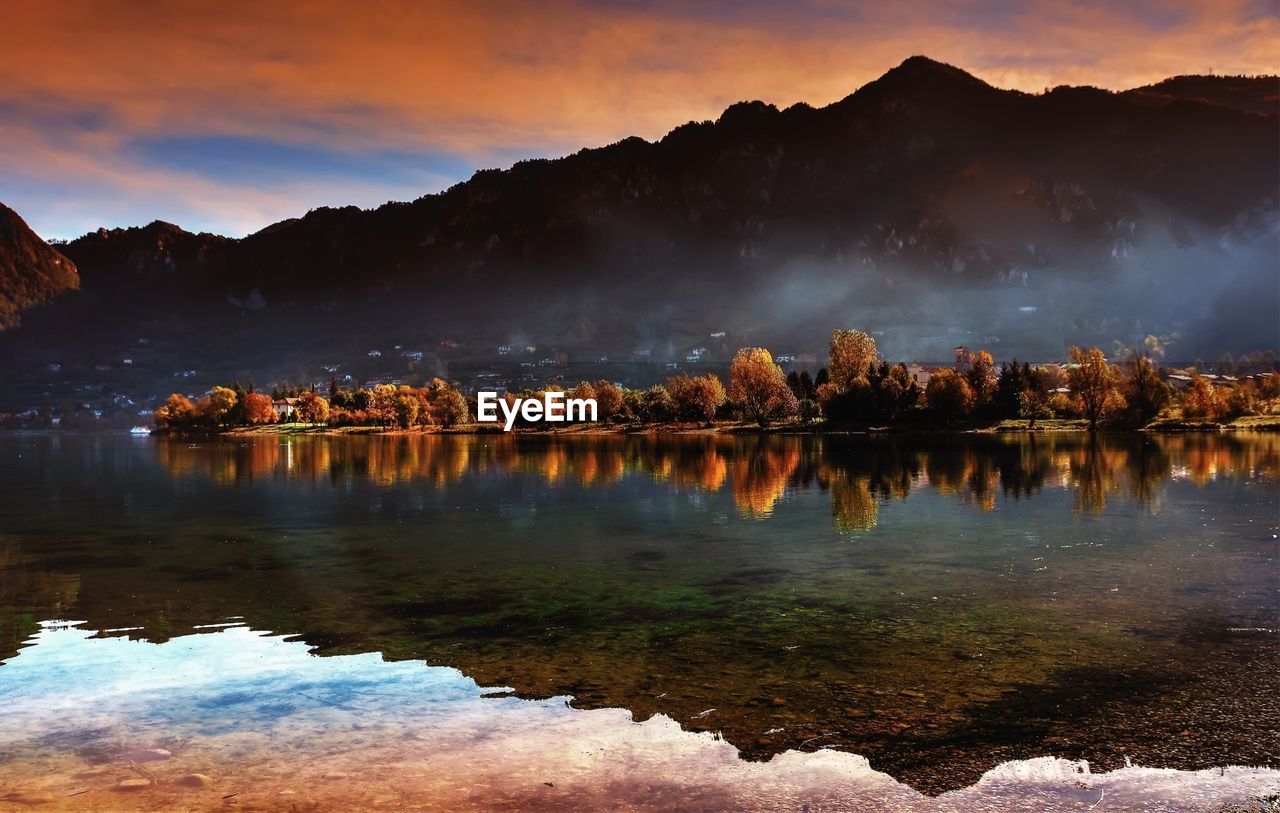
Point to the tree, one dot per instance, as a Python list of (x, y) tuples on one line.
[(656, 405), (405, 405), (896, 390), (258, 408), (312, 408), (608, 400), (382, 405), (1032, 405), (217, 405), (1199, 400), (1092, 379), (583, 391), (759, 387), (808, 389), (1144, 390), (238, 416), (177, 412), (852, 353), (1013, 381), (949, 395), (979, 369), (448, 407), (698, 398)]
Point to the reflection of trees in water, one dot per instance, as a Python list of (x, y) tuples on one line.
[(761, 471), (853, 505), (858, 473)]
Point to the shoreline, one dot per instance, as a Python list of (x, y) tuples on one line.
[(1266, 423)]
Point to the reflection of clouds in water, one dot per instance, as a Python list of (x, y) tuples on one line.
[(272, 723)]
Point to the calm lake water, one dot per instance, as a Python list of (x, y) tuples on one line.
[(680, 622)]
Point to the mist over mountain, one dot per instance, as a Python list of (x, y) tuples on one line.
[(927, 207)]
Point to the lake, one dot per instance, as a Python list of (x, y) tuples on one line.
[(698, 622)]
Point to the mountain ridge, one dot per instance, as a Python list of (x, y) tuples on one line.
[(927, 205)]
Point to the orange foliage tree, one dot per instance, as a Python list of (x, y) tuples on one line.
[(759, 387)]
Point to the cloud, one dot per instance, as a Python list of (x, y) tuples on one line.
[(450, 86)]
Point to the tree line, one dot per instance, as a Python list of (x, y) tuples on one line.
[(857, 387), (384, 405)]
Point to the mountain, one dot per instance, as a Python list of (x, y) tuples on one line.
[(1251, 94), (927, 206), (31, 271)]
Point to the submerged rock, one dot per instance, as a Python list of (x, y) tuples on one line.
[(195, 780)]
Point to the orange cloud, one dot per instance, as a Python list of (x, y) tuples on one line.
[(490, 82)]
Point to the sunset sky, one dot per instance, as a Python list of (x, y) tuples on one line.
[(229, 116)]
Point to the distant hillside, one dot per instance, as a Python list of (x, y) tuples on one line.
[(1251, 94), (928, 207), (31, 271)]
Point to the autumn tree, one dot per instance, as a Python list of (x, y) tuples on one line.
[(217, 405), (696, 398), (405, 406), (759, 388), (852, 353), (979, 370), (654, 405), (1144, 390), (949, 395), (608, 400), (584, 391), (177, 411), (382, 407), (1199, 400), (258, 408), (312, 408), (448, 406), (1092, 380)]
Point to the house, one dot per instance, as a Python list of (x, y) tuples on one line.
[(283, 406), (919, 374)]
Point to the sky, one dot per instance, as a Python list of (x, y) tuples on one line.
[(228, 116)]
